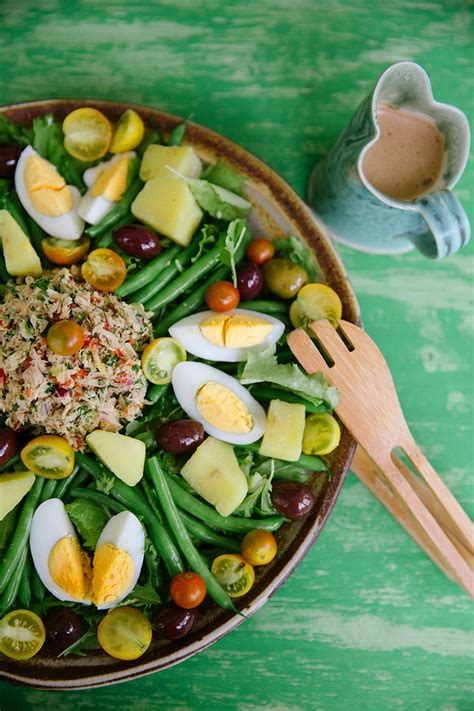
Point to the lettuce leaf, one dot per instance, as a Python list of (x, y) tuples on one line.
[(218, 202), (89, 519), (295, 249), (230, 243), (262, 366), (222, 174)]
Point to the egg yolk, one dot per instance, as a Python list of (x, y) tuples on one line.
[(46, 188), (70, 567), (223, 409), (235, 330), (113, 573), (112, 181)]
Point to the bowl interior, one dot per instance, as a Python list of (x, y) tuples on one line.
[(277, 211)]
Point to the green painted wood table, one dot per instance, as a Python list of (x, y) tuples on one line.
[(366, 622)]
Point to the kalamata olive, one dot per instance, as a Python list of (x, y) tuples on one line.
[(9, 154), (180, 436), (138, 241), (173, 622), (284, 277), (292, 499), (249, 280), (63, 627), (9, 443)]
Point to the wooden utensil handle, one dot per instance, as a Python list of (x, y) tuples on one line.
[(444, 506), (448, 554), (370, 475)]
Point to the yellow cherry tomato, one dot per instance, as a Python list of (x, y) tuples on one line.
[(259, 547), (104, 269), (313, 303), (65, 337), (233, 573), (125, 633), (64, 251), (322, 434), (48, 456), (160, 358), (22, 634), (128, 133), (87, 134)]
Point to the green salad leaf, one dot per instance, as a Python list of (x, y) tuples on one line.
[(84, 644), (89, 519), (262, 366), (293, 248), (142, 596), (230, 243), (208, 236), (259, 498), (11, 132), (218, 202), (222, 174)]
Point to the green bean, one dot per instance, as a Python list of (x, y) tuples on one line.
[(19, 541), (135, 503), (63, 484), (24, 588), (10, 591), (148, 273), (167, 275), (151, 136), (118, 212), (206, 534), (206, 513), (97, 497), (306, 461), (107, 238), (156, 392), (267, 393), (37, 588), (216, 592), (7, 524), (11, 462), (177, 134), (271, 308), (151, 500), (48, 490), (4, 275), (185, 280)]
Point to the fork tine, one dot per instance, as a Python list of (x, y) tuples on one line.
[(330, 340), (306, 352), (353, 333)]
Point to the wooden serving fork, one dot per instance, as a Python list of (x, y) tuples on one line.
[(370, 409)]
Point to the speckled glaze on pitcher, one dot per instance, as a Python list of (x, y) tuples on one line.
[(359, 215)]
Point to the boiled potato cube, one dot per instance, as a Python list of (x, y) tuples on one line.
[(181, 158), (13, 487), (213, 471), (283, 436), (20, 257), (124, 456), (168, 206)]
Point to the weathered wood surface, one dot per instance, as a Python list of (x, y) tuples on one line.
[(366, 622)]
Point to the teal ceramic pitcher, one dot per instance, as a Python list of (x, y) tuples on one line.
[(359, 215)]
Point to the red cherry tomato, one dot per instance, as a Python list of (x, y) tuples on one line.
[(188, 590), (222, 296), (65, 337), (260, 250)]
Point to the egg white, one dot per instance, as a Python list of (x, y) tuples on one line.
[(93, 209), (50, 523), (69, 226), (126, 532), (188, 377), (188, 332)]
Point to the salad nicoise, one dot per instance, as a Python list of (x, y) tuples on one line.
[(155, 431)]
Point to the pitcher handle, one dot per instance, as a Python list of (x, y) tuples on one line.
[(447, 225)]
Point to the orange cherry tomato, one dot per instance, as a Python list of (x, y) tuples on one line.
[(222, 296), (65, 252), (260, 250), (65, 337), (259, 547), (104, 270), (188, 590)]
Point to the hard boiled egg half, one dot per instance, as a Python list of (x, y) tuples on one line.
[(106, 185), (226, 336), (226, 409), (46, 197), (66, 570)]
